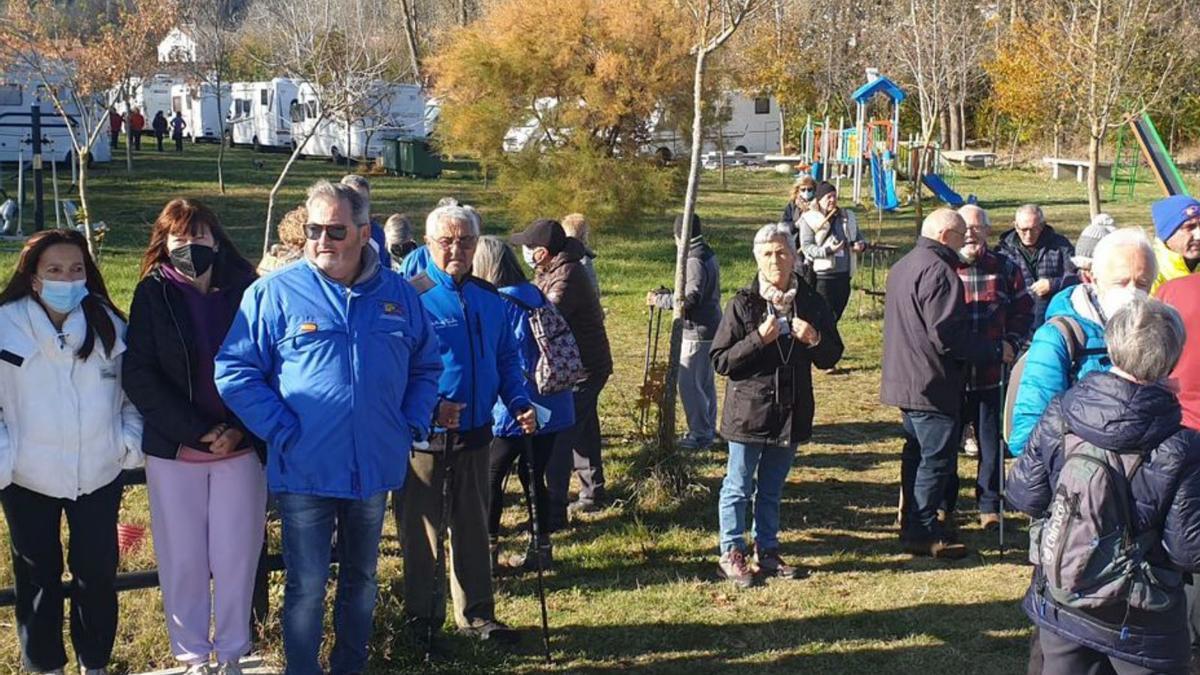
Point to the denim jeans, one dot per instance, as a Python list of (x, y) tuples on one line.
[(308, 526), (926, 466), (755, 471)]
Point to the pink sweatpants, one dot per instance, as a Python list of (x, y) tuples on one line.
[(207, 520)]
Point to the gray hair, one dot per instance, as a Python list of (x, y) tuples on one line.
[(1145, 339), (324, 191), (443, 214), (1118, 241), (357, 182), (447, 201), (398, 228), (1032, 209), (975, 208), (936, 223), (768, 233), (488, 256)]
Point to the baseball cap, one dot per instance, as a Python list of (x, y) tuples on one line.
[(544, 232)]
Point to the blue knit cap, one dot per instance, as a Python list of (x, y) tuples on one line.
[(1170, 213)]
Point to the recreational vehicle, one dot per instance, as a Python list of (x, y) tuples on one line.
[(201, 109), (260, 113), (753, 128), (392, 111), (149, 96), (16, 98)]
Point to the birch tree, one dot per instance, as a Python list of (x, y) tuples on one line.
[(213, 29)]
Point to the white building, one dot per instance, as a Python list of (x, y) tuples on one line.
[(177, 47)]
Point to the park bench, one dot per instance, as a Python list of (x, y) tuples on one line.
[(1104, 170)]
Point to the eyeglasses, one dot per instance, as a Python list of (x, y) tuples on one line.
[(446, 243), (335, 232)]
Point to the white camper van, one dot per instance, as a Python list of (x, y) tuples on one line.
[(16, 97), (201, 109), (395, 110), (753, 128), (149, 96), (260, 113)]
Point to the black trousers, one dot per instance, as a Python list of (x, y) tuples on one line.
[(579, 452), (1063, 657), (135, 138), (836, 292), (506, 450), (34, 522), (158, 138), (178, 142)]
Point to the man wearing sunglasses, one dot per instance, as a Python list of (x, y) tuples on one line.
[(480, 369), (1177, 240), (335, 363)]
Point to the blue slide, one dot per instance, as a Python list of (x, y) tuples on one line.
[(943, 192), (884, 183)]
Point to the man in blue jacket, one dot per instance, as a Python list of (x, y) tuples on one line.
[(335, 364), (1122, 265), (481, 364)]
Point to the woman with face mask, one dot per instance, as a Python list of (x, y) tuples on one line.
[(66, 432), (204, 470), (799, 202)]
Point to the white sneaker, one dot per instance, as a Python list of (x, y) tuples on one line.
[(198, 669), (969, 444), (92, 671), (56, 671), (229, 668)]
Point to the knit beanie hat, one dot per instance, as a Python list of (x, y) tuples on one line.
[(823, 188), (1091, 235), (1170, 213)]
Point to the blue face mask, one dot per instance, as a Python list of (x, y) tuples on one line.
[(63, 296), (527, 253)]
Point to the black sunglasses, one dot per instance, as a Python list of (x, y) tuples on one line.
[(335, 232)]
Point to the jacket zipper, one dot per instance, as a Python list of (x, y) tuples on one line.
[(354, 477), (187, 358)]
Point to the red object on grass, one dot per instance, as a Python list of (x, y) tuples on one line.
[(129, 537)]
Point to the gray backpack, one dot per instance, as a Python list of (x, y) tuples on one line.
[(1087, 548)]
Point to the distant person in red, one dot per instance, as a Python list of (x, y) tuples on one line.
[(114, 127), (136, 123)]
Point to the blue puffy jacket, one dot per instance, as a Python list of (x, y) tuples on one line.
[(560, 405), (1048, 369), (480, 360), (1116, 414), (337, 380)]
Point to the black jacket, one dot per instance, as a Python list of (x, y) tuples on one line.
[(1116, 414), (701, 293), (766, 400), (1051, 260), (927, 332), (566, 284), (159, 363)]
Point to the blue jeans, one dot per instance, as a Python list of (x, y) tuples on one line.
[(308, 526), (926, 469), (771, 464)]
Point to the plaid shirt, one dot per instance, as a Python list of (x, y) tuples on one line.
[(1000, 307)]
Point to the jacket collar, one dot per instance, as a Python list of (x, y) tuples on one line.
[(368, 273), (441, 278), (1115, 414), (32, 321), (938, 248)]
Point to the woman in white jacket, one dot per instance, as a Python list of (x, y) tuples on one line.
[(66, 432)]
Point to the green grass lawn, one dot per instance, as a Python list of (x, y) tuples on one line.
[(635, 588)]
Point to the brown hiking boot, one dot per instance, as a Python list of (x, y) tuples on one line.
[(935, 548), (770, 564), (734, 567), (989, 521)]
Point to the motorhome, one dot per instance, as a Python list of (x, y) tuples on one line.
[(752, 128), (201, 109), (260, 113), (149, 96), (393, 110), (17, 95)]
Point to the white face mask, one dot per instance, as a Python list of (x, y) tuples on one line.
[(527, 253), (1112, 300)]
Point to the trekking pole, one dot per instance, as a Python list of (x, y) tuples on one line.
[(536, 525), (439, 565), (1002, 450)]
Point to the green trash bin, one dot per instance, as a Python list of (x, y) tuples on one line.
[(391, 155), (417, 158)]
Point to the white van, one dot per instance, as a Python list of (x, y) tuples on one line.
[(398, 110), (16, 97), (753, 128), (149, 96), (260, 113), (201, 109)]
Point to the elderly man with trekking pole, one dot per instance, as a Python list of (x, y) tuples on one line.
[(448, 483)]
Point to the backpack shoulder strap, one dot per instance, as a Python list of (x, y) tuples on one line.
[(422, 283), (1072, 334)]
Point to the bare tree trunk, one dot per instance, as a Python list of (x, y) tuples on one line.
[(83, 203), (275, 189), (1093, 181), (409, 18), (129, 134), (721, 154), (962, 121), (955, 128), (1012, 157), (462, 13), (666, 419)]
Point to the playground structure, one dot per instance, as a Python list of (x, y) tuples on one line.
[(1157, 158), (879, 141)]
